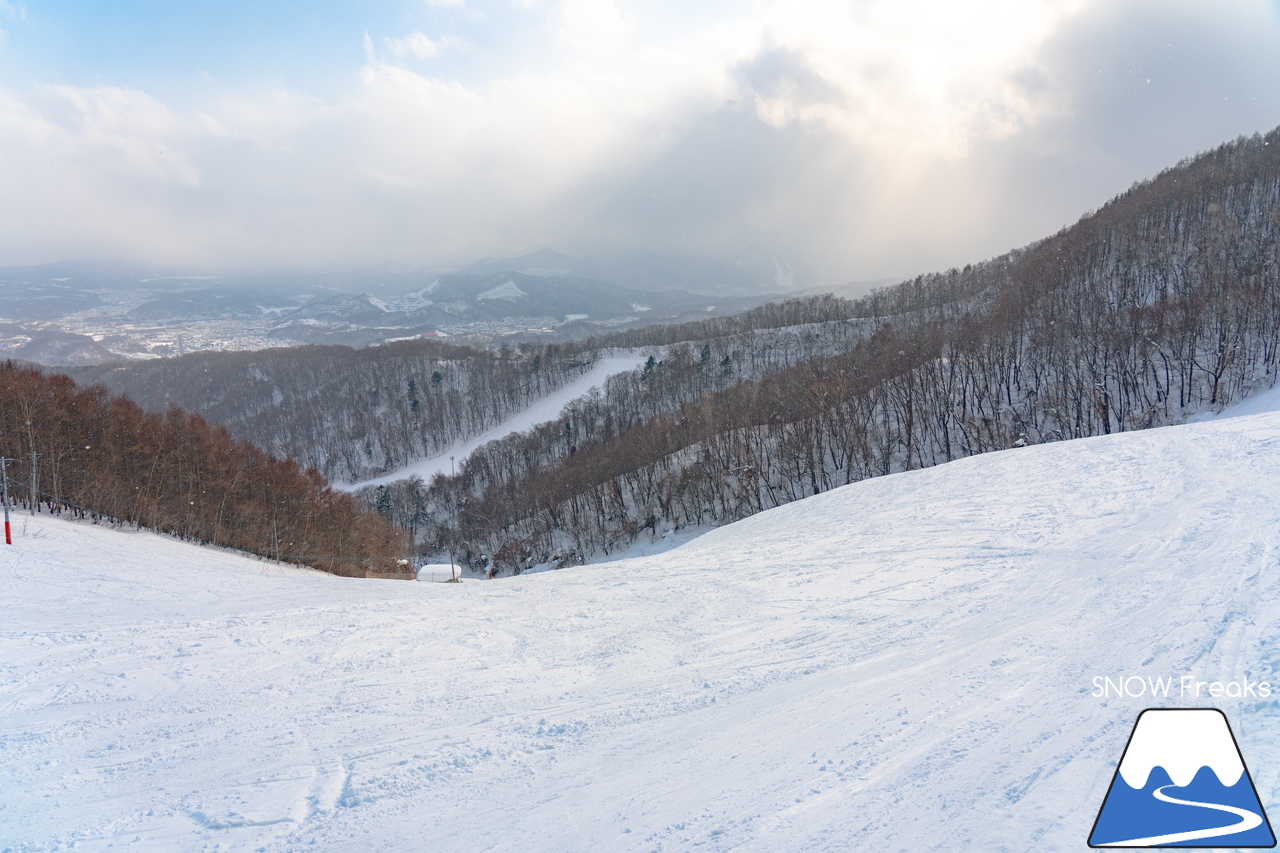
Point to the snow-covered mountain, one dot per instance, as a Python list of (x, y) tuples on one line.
[(212, 304), (89, 312), (457, 300), (908, 663), (50, 346), (652, 272)]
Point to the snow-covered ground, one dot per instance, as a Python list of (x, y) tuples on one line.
[(546, 409), (1267, 401), (908, 663)]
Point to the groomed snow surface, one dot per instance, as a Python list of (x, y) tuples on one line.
[(903, 664)]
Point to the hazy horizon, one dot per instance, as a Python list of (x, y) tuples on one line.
[(854, 141)]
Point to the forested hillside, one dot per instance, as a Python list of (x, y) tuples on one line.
[(1162, 304), (355, 414), (751, 346), (102, 456), (350, 413)]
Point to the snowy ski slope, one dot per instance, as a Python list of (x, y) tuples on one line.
[(540, 411), (908, 663)]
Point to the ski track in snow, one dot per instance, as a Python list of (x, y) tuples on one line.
[(547, 408), (902, 664)]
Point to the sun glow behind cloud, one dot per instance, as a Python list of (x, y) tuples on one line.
[(858, 138), (931, 76)]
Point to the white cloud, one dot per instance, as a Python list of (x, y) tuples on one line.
[(596, 28), (415, 43), (420, 45), (867, 135), (103, 170), (119, 131), (932, 76)]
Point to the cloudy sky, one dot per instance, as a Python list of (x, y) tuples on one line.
[(858, 139)]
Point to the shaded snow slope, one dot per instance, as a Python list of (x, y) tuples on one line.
[(907, 663), (1267, 401), (540, 411)]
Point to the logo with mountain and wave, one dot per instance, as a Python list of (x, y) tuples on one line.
[(1182, 782)]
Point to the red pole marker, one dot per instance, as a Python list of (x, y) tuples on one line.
[(4, 498)]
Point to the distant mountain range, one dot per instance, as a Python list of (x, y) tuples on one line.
[(51, 346), (88, 311), (50, 291), (650, 272), (559, 305)]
